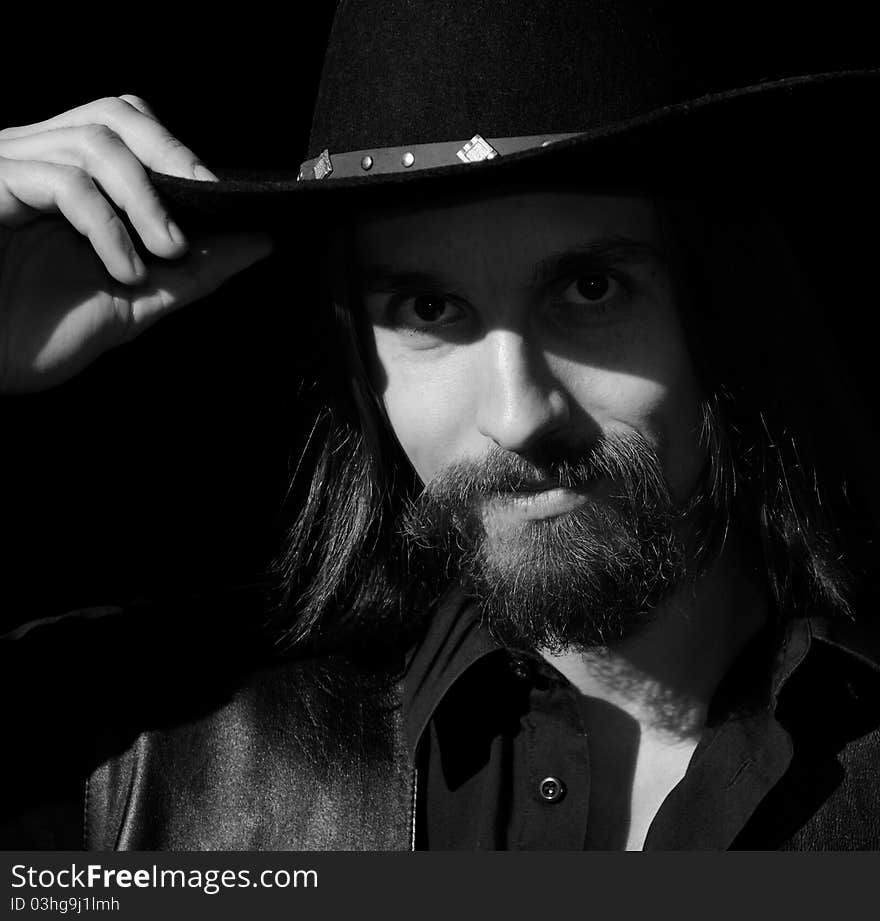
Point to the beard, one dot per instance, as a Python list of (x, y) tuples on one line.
[(587, 578)]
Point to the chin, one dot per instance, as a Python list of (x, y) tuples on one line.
[(585, 579)]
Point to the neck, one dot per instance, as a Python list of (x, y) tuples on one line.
[(665, 676)]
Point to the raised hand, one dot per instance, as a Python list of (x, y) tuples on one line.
[(72, 285)]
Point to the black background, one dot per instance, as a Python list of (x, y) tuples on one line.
[(161, 470)]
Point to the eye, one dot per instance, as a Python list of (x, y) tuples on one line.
[(594, 288), (425, 312), (429, 307), (591, 297)]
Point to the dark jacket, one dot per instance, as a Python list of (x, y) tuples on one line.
[(190, 745)]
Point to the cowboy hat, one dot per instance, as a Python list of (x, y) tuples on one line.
[(415, 94)]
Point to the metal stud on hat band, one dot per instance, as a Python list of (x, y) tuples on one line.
[(413, 157)]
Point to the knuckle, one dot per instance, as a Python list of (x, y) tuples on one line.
[(173, 145), (73, 178), (95, 139), (112, 221), (111, 106)]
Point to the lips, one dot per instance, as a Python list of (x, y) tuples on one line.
[(542, 486), (534, 502)]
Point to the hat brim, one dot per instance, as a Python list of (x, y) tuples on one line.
[(770, 132)]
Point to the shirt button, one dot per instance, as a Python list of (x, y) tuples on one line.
[(520, 669), (552, 789)]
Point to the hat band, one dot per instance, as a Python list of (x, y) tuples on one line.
[(383, 160)]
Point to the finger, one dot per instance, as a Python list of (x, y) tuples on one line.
[(148, 140), (140, 104), (14, 209), (118, 172), (211, 262), (29, 189)]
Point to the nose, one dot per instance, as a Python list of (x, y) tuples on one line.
[(519, 402)]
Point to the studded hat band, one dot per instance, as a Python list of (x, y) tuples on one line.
[(417, 156)]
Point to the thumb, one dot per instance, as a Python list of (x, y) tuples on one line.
[(209, 263)]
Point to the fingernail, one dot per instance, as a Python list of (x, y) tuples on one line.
[(203, 173), (176, 233), (137, 265)]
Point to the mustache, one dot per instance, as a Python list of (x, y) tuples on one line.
[(626, 459), (573, 579)]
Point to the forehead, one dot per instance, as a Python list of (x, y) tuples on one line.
[(505, 228)]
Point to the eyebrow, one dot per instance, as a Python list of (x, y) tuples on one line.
[(378, 278), (602, 251), (598, 253)]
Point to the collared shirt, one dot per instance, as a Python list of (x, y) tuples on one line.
[(503, 754)]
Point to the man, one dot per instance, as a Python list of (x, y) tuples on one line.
[(570, 570)]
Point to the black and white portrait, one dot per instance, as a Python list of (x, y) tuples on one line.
[(443, 425)]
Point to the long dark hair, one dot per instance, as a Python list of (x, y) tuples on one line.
[(790, 424), (768, 373), (339, 573)]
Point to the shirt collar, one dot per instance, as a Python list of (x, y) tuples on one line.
[(858, 641), (457, 639)]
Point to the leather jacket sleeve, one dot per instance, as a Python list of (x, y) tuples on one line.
[(157, 727), (78, 690)]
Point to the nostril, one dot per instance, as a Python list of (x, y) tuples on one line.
[(520, 397), (516, 424)]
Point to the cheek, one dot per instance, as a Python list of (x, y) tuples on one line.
[(658, 396), (426, 402), (650, 404)]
